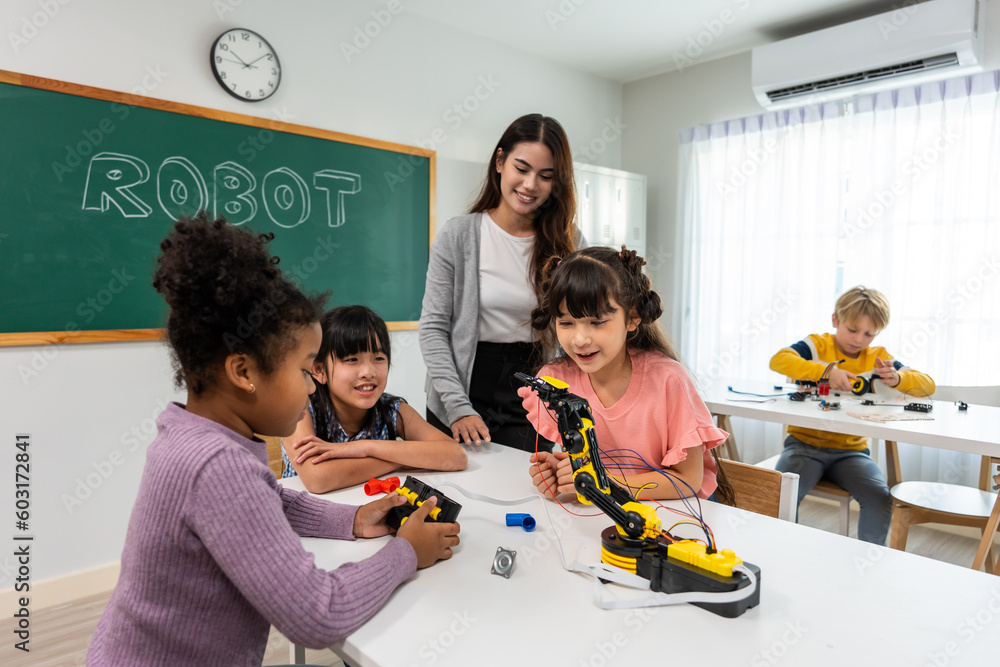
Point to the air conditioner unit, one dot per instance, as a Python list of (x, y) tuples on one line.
[(912, 44)]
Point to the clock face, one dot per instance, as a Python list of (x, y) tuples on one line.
[(245, 65)]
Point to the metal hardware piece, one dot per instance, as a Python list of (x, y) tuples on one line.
[(503, 562)]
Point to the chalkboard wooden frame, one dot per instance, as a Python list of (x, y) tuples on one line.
[(109, 335)]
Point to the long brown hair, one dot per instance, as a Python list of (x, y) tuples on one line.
[(554, 218), (587, 281)]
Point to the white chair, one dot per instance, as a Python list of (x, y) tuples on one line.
[(762, 490), (824, 489), (935, 502)]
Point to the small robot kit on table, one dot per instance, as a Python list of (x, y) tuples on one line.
[(637, 542), (416, 493)]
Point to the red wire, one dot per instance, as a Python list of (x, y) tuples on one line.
[(694, 519), (538, 468)]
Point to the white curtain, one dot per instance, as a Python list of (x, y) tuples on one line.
[(899, 191)]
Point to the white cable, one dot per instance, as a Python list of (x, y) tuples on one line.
[(601, 571), (487, 499)]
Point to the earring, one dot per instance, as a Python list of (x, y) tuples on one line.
[(252, 388)]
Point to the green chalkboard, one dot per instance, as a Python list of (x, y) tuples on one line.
[(91, 180)]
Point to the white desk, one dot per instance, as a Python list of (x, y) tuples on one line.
[(976, 430), (825, 599)]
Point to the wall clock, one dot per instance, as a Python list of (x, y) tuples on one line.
[(245, 65)]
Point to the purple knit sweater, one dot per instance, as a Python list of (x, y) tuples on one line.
[(213, 557)]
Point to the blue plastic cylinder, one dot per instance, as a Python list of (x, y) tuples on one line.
[(525, 521)]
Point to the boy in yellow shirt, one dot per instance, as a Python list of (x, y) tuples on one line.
[(859, 316)]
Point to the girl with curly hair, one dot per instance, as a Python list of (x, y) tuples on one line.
[(213, 555)]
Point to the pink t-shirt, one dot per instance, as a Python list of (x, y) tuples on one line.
[(660, 416)]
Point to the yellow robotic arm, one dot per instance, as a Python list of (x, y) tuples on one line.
[(591, 480)]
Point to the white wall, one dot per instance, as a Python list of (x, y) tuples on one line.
[(656, 108), (89, 407)]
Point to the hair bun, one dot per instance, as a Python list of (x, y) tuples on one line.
[(650, 307), (206, 265), (631, 260)]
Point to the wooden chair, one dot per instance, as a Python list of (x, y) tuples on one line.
[(296, 652), (824, 489), (830, 491), (728, 448), (273, 454), (953, 504), (762, 490), (986, 545)]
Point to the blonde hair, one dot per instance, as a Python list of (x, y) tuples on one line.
[(860, 301)]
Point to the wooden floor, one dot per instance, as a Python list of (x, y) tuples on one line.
[(60, 635)]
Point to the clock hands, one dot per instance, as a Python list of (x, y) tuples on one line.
[(256, 59), (245, 65)]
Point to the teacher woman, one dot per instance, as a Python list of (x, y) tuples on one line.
[(482, 283)]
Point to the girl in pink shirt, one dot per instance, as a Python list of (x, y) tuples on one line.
[(602, 310)]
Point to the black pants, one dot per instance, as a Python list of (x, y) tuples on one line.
[(493, 392)]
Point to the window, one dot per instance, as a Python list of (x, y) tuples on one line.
[(898, 191)]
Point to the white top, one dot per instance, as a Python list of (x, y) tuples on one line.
[(826, 600), (505, 294)]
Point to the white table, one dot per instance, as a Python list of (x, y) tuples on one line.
[(825, 599), (976, 430)]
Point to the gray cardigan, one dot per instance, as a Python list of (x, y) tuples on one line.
[(449, 318)]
